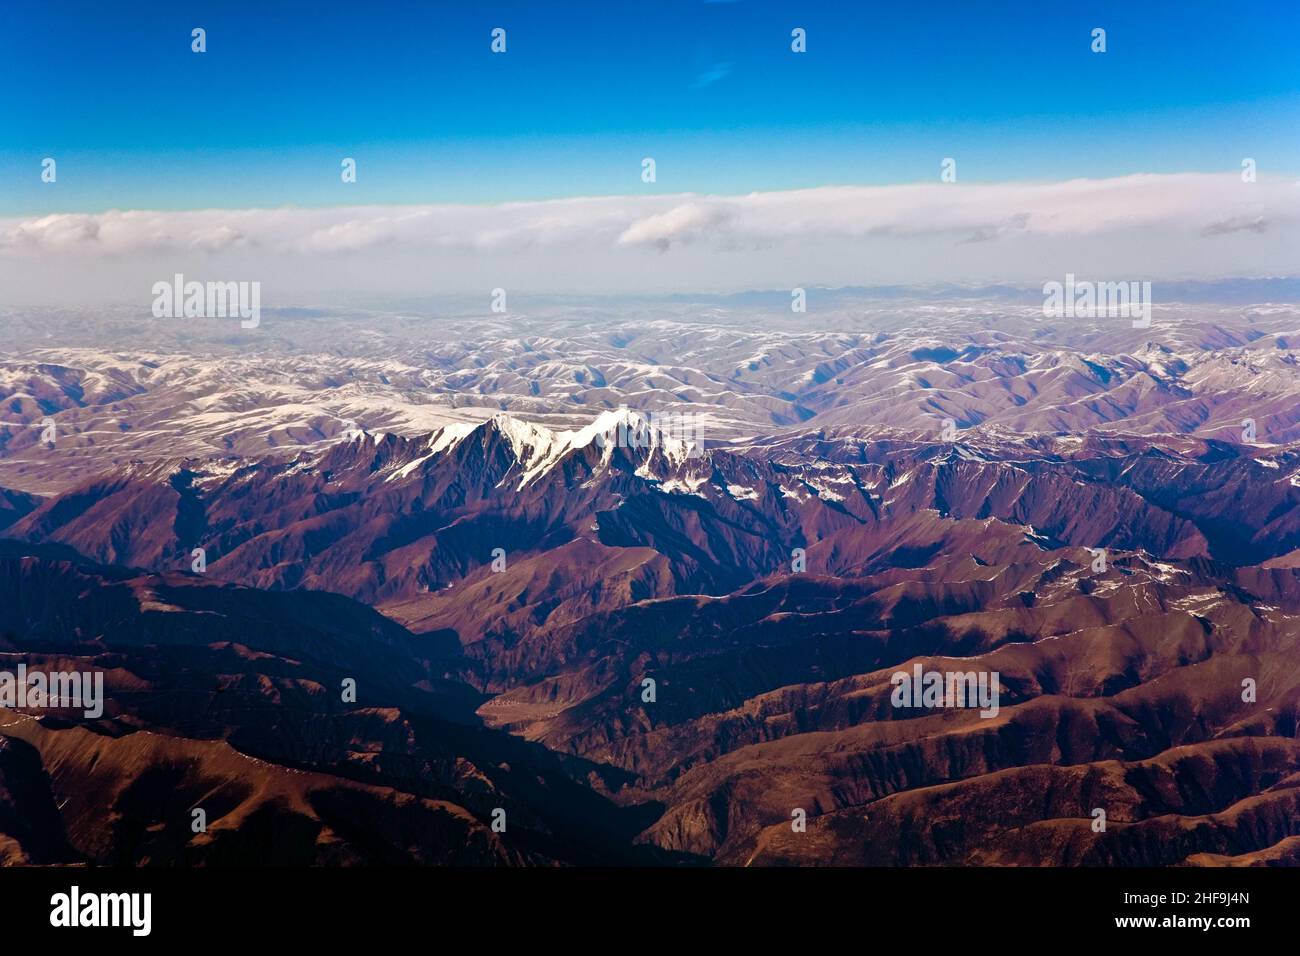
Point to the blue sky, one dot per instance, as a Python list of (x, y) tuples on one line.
[(711, 90)]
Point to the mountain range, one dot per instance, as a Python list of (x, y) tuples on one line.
[(648, 653)]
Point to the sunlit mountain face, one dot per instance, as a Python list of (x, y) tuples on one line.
[(659, 583)]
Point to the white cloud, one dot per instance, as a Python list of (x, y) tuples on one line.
[(919, 232), (684, 222)]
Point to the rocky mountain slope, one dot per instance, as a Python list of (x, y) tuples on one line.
[(644, 650), (232, 701)]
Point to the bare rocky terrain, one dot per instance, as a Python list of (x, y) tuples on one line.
[(1106, 517)]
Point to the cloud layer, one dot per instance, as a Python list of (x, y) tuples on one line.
[(919, 232)]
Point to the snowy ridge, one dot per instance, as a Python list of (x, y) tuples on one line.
[(538, 449)]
